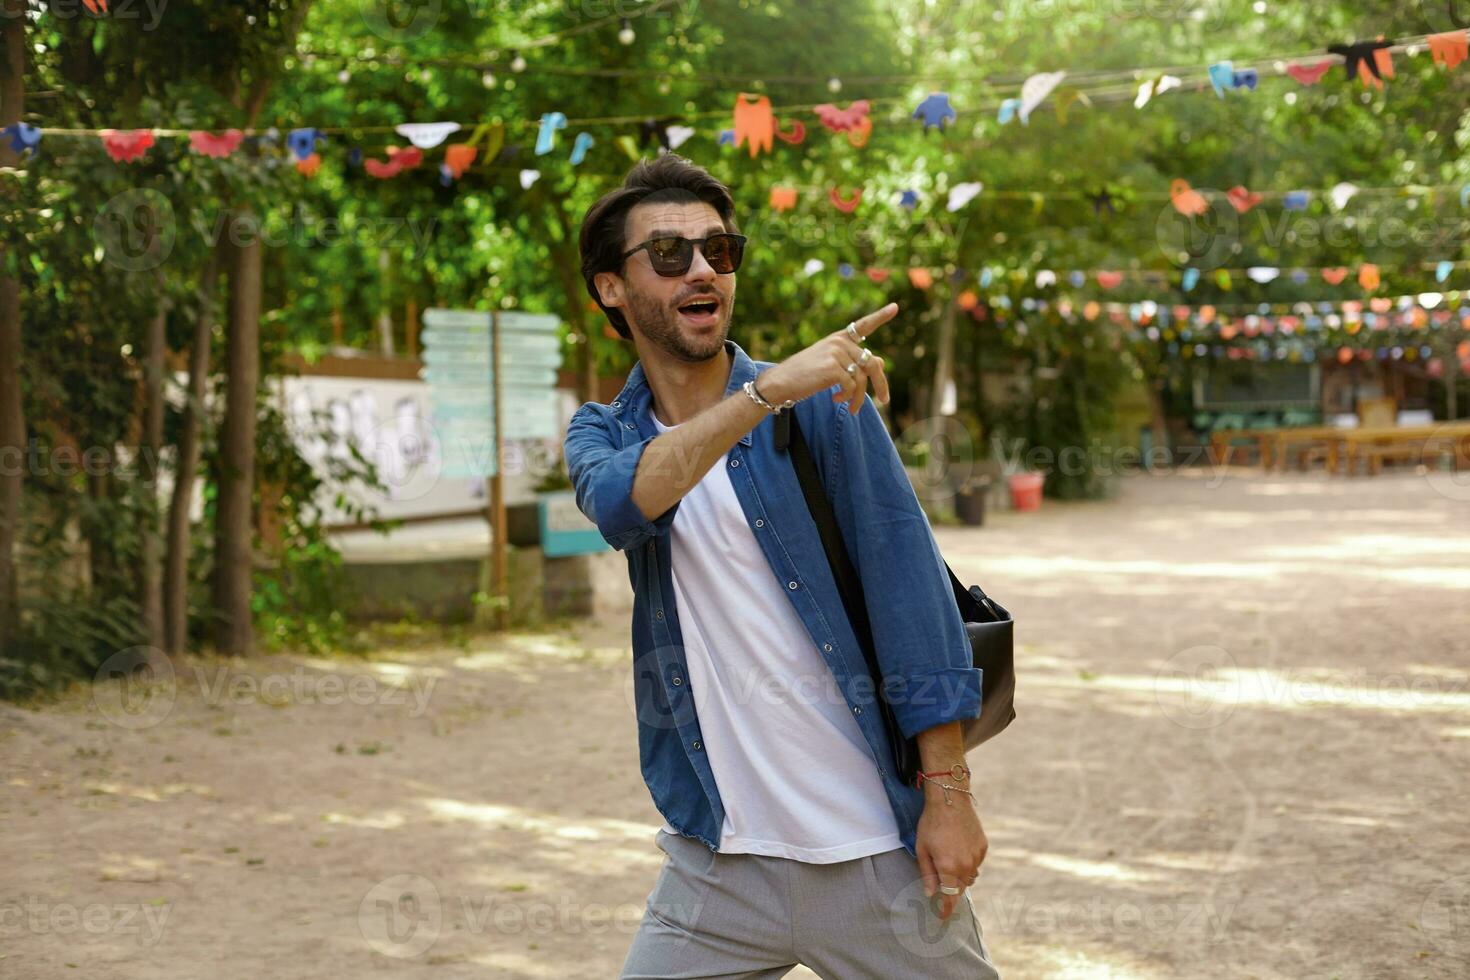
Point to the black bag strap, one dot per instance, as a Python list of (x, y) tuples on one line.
[(975, 605), (849, 586)]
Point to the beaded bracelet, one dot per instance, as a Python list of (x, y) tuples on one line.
[(944, 786)]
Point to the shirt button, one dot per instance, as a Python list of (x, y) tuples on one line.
[(617, 404), (678, 681), (628, 424), (856, 711), (659, 614), (734, 462), (791, 585), (759, 522), (698, 744), (882, 771)]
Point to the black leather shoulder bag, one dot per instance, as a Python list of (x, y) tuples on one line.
[(987, 623)]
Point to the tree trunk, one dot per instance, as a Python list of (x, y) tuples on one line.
[(12, 417), (385, 308), (567, 261), (943, 361), (1451, 361), (234, 634), (233, 533), (176, 564), (1158, 423), (982, 406), (155, 366)]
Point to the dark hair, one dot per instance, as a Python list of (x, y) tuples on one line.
[(604, 229)]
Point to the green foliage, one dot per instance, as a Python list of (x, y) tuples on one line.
[(82, 605), (485, 243), (1062, 419), (300, 599)]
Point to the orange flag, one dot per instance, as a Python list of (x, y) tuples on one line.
[(755, 124), (1449, 49), (783, 198)]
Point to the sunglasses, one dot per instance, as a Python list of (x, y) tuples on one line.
[(672, 255)]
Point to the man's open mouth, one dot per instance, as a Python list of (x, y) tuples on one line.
[(701, 309)]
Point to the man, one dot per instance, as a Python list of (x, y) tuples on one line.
[(758, 730)]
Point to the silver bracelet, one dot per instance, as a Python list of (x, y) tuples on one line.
[(760, 400)]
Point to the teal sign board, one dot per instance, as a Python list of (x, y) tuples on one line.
[(565, 530), (458, 367)]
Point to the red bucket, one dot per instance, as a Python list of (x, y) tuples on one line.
[(1026, 490)]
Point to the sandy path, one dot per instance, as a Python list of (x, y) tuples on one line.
[(1243, 750)]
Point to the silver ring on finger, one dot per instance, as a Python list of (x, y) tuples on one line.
[(949, 889), (867, 355), (852, 331), (852, 370)]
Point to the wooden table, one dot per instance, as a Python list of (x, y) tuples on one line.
[(1269, 444), (1222, 444), (1283, 441), (1400, 442), (1344, 447)]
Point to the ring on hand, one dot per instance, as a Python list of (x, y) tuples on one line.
[(852, 331), (852, 370), (949, 889), (867, 355)]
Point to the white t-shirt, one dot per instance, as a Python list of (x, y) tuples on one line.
[(795, 776)]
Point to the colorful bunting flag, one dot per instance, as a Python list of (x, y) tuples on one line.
[(935, 110), (212, 145), (125, 146), (755, 125)]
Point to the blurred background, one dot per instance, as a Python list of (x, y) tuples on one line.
[(309, 663)]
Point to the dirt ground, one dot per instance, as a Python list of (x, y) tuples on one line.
[(1242, 750)]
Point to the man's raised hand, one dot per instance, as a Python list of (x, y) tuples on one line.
[(825, 363)]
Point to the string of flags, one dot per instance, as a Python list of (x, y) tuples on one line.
[(1384, 329), (1391, 330), (757, 125), (1368, 275)]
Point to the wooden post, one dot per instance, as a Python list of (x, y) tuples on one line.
[(498, 556), (411, 326), (234, 522), (12, 414)]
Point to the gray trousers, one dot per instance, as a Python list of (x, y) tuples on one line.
[(726, 916)]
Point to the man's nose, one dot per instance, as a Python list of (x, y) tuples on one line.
[(699, 269)]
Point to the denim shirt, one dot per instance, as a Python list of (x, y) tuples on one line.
[(917, 629)]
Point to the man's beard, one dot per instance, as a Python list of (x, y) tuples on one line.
[(660, 324)]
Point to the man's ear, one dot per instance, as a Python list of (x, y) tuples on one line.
[(609, 287)]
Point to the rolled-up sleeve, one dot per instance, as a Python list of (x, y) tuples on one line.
[(602, 476), (917, 628)]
